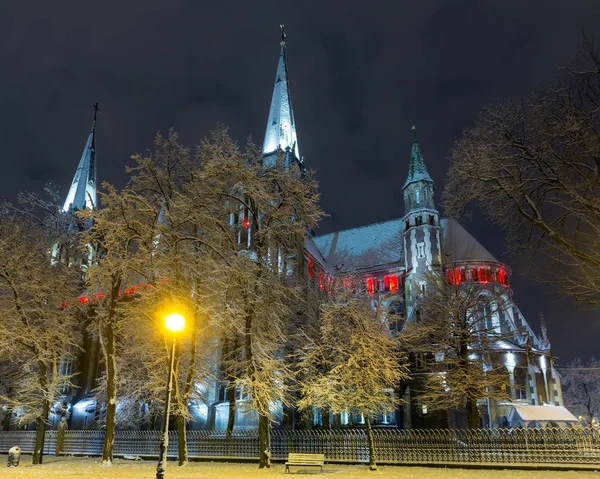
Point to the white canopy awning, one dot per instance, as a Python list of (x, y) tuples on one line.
[(540, 414)]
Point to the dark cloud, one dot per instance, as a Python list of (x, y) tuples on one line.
[(361, 74)]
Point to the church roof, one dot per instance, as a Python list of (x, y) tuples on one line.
[(363, 247), (82, 193), (281, 127), (417, 171), (459, 245)]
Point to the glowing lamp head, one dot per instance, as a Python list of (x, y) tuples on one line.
[(174, 322)]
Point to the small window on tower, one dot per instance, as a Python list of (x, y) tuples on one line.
[(421, 250), (418, 221), (418, 196)]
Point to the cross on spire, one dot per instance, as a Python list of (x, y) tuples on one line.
[(96, 110), (283, 35)]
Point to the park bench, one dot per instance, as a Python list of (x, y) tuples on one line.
[(297, 459)]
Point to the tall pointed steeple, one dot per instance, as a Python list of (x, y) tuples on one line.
[(82, 193), (281, 127), (417, 171)]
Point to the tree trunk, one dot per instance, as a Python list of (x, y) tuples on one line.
[(326, 422), (264, 441), (7, 418), (229, 350), (472, 414), (42, 421), (232, 402), (372, 463), (110, 356), (181, 440)]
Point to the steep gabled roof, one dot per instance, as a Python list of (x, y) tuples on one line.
[(363, 247), (459, 245), (281, 127), (417, 171), (82, 193)]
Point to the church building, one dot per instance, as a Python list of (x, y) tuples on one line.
[(391, 256)]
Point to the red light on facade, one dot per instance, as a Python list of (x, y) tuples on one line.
[(129, 291), (386, 282), (370, 286), (246, 223), (481, 273), (456, 276), (393, 282), (311, 268), (321, 285), (83, 299)]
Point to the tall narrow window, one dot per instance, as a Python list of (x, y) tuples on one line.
[(418, 196), (421, 250)]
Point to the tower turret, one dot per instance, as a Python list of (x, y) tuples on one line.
[(422, 232), (281, 127), (82, 193)]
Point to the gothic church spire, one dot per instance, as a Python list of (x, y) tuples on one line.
[(417, 171), (281, 127), (82, 193)]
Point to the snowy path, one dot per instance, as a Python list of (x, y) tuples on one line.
[(89, 468)]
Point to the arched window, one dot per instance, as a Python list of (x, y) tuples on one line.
[(418, 196), (520, 383)]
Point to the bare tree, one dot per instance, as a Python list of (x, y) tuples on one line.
[(533, 168), (39, 334), (581, 382), (261, 215), (452, 337), (355, 363)]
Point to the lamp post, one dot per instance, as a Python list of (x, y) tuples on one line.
[(174, 323)]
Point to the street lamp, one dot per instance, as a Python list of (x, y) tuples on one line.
[(174, 323)]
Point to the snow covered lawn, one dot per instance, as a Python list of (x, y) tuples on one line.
[(90, 468)]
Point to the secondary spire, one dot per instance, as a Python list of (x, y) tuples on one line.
[(281, 127), (82, 193), (417, 171)]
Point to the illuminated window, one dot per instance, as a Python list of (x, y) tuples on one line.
[(393, 282), (418, 196)]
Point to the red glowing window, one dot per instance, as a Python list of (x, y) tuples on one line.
[(386, 282), (473, 274), (83, 299), (393, 282), (321, 285), (481, 274), (456, 276), (311, 269), (129, 291), (246, 223), (370, 286)]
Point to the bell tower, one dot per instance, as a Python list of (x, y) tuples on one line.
[(422, 233)]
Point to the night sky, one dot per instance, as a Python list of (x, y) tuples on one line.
[(361, 74)]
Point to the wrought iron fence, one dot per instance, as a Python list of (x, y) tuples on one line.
[(573, 445)]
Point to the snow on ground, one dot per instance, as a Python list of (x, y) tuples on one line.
[(90, 468)]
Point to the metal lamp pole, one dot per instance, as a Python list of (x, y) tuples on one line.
[(174, 323)]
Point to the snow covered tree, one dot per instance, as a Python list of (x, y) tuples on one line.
[(451, 338), (533, 168), (354, 363), (581, 383), (261, 214), (38, 333)]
